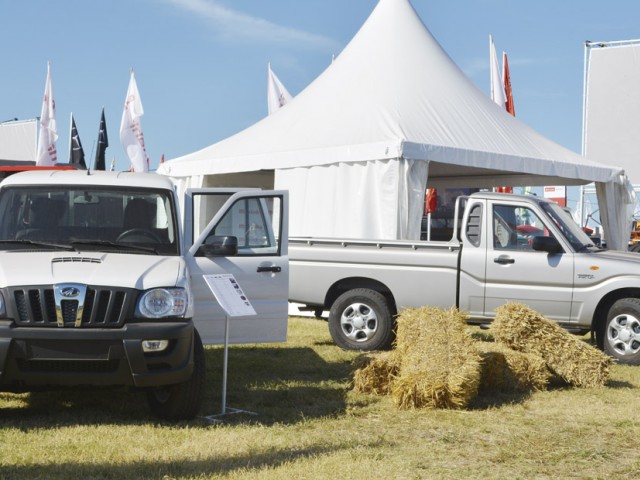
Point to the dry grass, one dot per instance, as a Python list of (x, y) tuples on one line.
[(310, 424)]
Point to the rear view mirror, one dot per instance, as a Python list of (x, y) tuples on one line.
[(546, 244), (219, 246)]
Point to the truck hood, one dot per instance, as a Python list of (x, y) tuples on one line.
[(601, 265), (91, 268), (614, 255)]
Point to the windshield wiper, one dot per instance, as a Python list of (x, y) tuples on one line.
[(118, 246), (31, 243)]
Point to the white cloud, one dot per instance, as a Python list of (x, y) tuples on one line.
[(240, 26)]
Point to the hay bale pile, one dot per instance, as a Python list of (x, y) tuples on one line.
[(375, 372), (437, 364), (508, 371), (577, 363)]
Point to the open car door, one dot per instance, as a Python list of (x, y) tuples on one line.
[(243, 233)]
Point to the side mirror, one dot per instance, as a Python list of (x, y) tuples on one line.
[(219, 246), (546, 244)]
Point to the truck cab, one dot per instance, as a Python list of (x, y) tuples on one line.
[(103, 281)]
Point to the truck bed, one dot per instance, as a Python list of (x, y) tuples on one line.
[(415, 272)]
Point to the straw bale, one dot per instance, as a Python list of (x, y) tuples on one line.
[(375, 372), (509, 371), (439, 366), (525, 330)]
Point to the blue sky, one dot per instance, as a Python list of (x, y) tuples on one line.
[(201, 65)]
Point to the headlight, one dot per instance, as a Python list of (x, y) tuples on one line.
[(163, 302)]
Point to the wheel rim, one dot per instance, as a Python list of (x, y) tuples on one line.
[(623, 334), (359, 322)]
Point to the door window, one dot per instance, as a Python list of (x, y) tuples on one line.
[(515, 227), (254, 221)]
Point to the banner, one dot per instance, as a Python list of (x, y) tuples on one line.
[(46, 153), (76, 152), (103, 143), (557, 194), (277, 94), (497, 87), (131, 135)]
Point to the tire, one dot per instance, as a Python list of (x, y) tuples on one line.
[(621, 336), (181, 401), (361, 319)]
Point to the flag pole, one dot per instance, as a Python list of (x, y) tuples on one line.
[(70, 136), (93, 146)]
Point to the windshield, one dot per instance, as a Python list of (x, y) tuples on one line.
[(569, 228), (105, 219)]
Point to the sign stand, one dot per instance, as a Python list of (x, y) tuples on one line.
[(234, 302)]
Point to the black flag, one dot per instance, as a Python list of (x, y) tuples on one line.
[(103, 143), (76, 153)]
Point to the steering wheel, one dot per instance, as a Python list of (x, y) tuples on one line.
[(140, 232)]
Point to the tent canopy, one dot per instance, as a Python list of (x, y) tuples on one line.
[(394, 93), (393, 108)]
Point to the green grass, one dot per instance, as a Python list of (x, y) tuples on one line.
[(309, 424)]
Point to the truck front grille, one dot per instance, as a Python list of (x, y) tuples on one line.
[(101, 307), (67, 366)]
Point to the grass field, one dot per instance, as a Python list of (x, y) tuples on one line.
[(309, 424)]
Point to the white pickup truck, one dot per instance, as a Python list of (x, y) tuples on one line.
[(103, 281), (500, 248)]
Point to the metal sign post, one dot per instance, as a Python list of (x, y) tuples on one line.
[(234, 302)]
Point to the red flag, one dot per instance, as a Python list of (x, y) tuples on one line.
[(431, 201), (506, 77)]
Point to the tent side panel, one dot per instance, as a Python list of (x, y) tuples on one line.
[(380, 199)]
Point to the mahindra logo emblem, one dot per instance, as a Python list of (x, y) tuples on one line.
[(70, 292)]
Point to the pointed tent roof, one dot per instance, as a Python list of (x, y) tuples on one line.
[(394, 92)]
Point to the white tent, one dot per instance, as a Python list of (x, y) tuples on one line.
[(18, 140), (357, 146)]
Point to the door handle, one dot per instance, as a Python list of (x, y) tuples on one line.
[(272, 268), (504, 260)]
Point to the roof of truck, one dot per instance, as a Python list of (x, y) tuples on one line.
[(510, 196), (89, 177)]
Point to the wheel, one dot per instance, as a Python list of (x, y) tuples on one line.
[(183, 400), (361, 319), (621, 338), (138, 234)]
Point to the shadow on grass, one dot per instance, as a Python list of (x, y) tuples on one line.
[(154, 469), (485, 401), (283, 385)]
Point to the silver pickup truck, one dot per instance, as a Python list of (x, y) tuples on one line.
[(500, 248)]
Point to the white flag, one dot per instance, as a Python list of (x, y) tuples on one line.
[(47, 154), (131, 135), (277, 95), (497, 86)]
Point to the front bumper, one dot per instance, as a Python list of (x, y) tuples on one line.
[(33, 358)]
